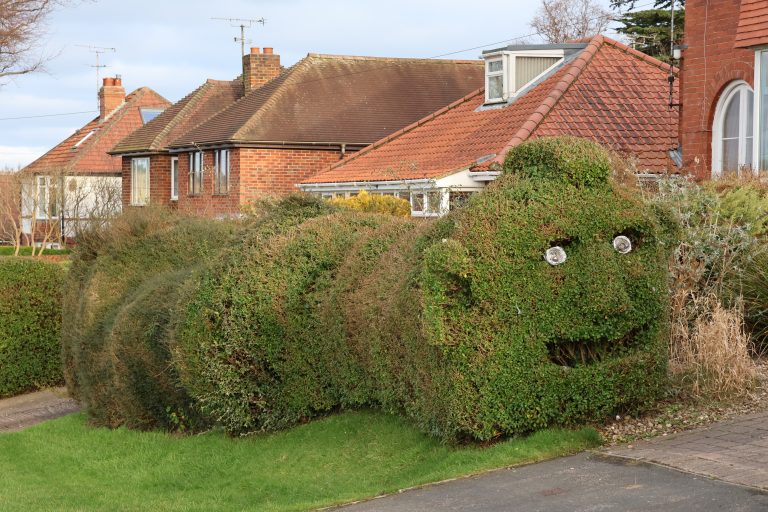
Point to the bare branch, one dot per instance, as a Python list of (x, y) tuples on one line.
[(559, 21)]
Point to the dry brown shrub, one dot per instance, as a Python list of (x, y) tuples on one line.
[(713, 355)]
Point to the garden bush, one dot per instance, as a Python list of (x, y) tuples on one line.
[(30, 325), (460, 323), (365, 202), (120, 306)]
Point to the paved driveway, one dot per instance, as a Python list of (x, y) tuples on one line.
[(582, 483), (23, 411), (735, 451)]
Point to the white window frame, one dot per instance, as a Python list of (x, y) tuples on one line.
[(219, 156), (43, 208), (509, 62), (493, 74), (196, 173), (756, 131), (135, 199), (731, 90), (174, 178)]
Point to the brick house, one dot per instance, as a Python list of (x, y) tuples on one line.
[(722, 125), (145, 153), (599, 89), (71, 181), (292, 123)]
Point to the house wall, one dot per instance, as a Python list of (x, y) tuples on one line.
[(709, 63), (265, 172), (207, 203)]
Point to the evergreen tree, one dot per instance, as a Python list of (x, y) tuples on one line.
[(649, 29)]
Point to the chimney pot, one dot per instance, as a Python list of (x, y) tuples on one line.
[(255, 50), (268, 51), (260, 68), (111, 95), (117, 81)]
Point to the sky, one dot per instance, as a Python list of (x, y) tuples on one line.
[(173, 47)]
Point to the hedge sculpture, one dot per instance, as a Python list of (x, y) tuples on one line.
[(540, 303)]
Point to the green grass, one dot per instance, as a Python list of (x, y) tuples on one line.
[(65, 465), (6, 250)]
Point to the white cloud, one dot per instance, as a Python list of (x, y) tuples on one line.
[(13, 157)]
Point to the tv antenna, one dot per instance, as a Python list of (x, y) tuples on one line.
[(97, 50), (243, 24)]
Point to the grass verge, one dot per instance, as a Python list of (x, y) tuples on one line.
[(6, 250), (65, 465)]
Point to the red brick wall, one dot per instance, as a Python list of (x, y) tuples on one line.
[(708, 65), (254, 174), (265, 172), (159, 180), (207, 203)]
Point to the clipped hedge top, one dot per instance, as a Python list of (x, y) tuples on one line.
[(572, 160)]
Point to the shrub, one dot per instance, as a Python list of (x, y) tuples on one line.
[(705, 276), (30, 325), (121, 303), (458, 323), (580, 162), (365, 202)]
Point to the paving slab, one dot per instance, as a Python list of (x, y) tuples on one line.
[(734, 451), (581, 483), (23, 411)]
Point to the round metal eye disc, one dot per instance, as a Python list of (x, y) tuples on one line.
[(622, 244), (555, 255)]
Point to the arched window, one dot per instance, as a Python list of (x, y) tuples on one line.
[(732, 133)]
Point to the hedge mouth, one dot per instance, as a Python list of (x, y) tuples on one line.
[(586, 352)]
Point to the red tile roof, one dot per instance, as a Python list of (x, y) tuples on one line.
[(198, 106), (90, 156), (753, 24), (340, 99), (608, 92)]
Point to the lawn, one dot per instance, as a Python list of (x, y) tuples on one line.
[(7, 250), (65, 465)]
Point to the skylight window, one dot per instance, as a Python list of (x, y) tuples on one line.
[(88, 136), (148, 114)]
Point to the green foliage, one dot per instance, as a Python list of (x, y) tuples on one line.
[(365, 202), (459, 324), (650, 29), (121, 302), (580, 162), (747, 206), (753, 288), (30, 325)]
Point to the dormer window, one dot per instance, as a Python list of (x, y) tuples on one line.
[(510, 71), (494, 80)]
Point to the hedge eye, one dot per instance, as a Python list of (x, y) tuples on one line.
[(622, 244), (555, 255)]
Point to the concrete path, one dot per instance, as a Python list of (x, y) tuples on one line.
[(734, 451), (582, 483), (23, 411)]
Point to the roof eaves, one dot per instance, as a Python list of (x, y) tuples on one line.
[(197, 97)]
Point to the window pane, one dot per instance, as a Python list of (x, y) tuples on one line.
[(458, 199), (495, 66), (730, 156), (731, 118), (750, 97), (175, 178), (417, 202), (495, 87), (433, 201), (763, 115), (748, 156)]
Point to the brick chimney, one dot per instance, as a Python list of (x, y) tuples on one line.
[(111, 96), (259, 68)]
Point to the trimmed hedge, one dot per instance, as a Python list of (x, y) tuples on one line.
[(30, 325), (458, 323), (120, 309)]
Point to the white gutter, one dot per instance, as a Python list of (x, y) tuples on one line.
[(366, 185)]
